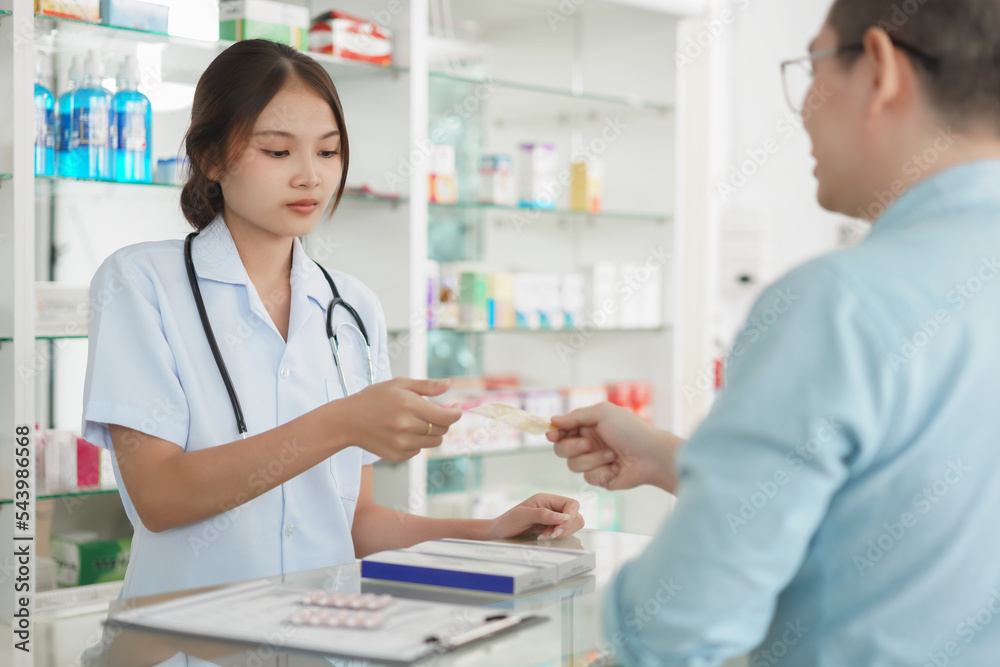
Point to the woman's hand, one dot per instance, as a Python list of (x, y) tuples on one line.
[(394, 421), (549, 517), (614, 449)]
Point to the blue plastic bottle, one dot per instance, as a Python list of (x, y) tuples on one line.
[(93, 124), (45, 128), (134, 121), (65, 162)]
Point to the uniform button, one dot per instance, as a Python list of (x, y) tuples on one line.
[(284, 372), (289, 529)]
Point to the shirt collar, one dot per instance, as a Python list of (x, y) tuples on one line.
[(968, 185), (216, 258), (215, 255), (307, 276)]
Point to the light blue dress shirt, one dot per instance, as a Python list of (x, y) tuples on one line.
[(840, 506), (150, 368)]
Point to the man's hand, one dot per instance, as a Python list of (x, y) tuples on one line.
[(614, 449)]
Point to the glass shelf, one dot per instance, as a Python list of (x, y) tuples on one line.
[(97, 181), (390, 332), (5, 12), (80, 493), (630, 102), (660, 329), (555, 212), (6, 177), (184, 58), (437, 455)]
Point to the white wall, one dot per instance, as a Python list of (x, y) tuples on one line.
[(772, 223)]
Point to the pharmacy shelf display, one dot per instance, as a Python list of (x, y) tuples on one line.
[(498, 76)]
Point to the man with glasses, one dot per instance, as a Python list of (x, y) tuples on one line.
[(839, 506)]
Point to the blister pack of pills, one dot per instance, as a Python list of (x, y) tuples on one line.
[(342, 610)]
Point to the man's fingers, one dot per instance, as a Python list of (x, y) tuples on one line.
[(571, 447), (588, 416), (601, 477), (592, 461)]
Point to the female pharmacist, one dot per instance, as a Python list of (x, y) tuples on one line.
[(268, 151)]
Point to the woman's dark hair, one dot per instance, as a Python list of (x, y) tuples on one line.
[(230, 96), (954, 44)]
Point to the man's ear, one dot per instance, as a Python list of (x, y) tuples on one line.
[(891, 70)]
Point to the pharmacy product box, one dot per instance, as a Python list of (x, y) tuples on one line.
[(413, 567), (496, 180), (148, 16), (472, 300), (62, 309), (276, 21), (537, 176), (346, 36), (84, 559), (568, 562), (81, 10)]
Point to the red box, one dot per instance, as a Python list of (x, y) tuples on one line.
[(346, 36)]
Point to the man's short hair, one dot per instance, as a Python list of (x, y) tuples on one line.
[(961, 37)]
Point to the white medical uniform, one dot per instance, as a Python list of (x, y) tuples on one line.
[(151, 369)]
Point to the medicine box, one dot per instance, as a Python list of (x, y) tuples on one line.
[(346, 36), (499, 568), (135, 14), (81, 10), (84, 559), (276, 21), (62, 309)]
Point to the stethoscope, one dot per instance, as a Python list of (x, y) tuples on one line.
[(332, 334)]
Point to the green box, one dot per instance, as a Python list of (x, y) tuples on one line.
[(83, 559), (472, 293), (274, 21)]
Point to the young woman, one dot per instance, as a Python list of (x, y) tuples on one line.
[(269, 152)]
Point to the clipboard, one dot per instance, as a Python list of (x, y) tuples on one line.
[(259, 612)]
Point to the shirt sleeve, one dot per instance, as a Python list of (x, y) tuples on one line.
[(801, 408), (383, 371), (131, 377)]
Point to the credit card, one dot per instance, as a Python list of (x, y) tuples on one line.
[(514, 417)]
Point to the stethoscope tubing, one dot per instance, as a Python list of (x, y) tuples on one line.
[(331, 333)]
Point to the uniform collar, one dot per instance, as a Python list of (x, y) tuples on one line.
[(216, 258), (308, 278), (968, 185)]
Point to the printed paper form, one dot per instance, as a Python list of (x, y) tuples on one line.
[(258, 613)]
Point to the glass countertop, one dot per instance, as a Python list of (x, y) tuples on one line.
[(571, 635)]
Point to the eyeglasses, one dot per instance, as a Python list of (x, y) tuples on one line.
[(797, 75)]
